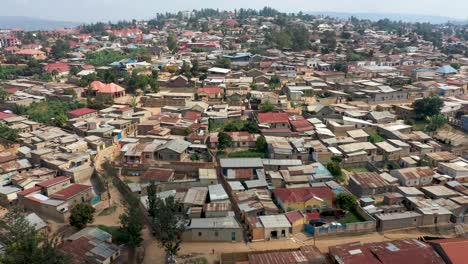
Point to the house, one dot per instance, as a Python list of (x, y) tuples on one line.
[(274, 120), (174, 150), (244, 168), (303, 198), (275, 226), (457, 169), (216, 229), (368, 184), (31, 54), (297, 220), (54, 198), (91, 245), (399, 220), (57, 69), (387, 252), (82, 113), (452, 250), (210, 93), (418, 176), (98, 88), (178, 81)]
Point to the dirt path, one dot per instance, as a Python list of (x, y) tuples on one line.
[(206, 248)]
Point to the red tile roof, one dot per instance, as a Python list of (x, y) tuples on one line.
[(271, 118), (53, 181), (302, 194), (57, 66), (70, 191), (81, 111), (105, 87)]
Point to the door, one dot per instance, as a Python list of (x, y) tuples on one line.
[(233, 236)]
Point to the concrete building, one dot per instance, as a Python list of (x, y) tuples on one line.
[(275, 226), (418, 176), (214, 229), (368, 184)]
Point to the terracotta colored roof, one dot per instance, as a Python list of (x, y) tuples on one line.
[(4, 115), (192, 115), (294, 216), (53, 181), (70, 191), (455, 248), (271, 118), (81, 111), (157, 175), (30, 190), (209, 90), (313, 215), (105, 87), (302, 194), (57, 66)]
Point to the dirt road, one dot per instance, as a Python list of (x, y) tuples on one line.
[(154, 254)]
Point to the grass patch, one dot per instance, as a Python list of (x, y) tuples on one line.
[(118, 235), (375, 138), (251, 153), (419, 124), (197, 261), (351, 217), (127, 181), (358, 169), (108, 211)]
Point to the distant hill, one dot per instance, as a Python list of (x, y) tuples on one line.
[(30, 23), (395, 17)]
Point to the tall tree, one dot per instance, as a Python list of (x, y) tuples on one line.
[(107, 177), (23, 244), (132, 223), (168, 224)]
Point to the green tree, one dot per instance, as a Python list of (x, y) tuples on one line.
[(274, 82), (3, 94), (223, 63), (428, 106), (23, 244), (436, 122), (334, 168), (131, 222), (346, 201), (107, 178), (81, 215), (267, 107), (171, 42), (60, 49), (152, 199), (8, 133), (261, 144), (168, 225), (224, 141)]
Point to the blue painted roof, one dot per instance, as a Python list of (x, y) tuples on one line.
[(446, 69)]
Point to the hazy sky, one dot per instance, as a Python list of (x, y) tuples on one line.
[(104, 10)]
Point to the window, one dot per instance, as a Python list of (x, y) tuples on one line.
[(199, 234), (216, 233)]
